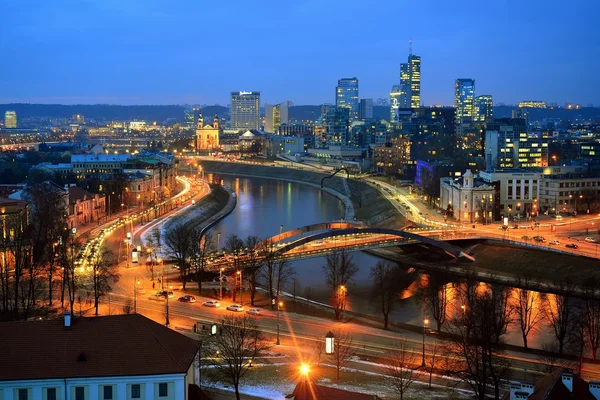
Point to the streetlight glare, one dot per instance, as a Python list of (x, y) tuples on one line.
[(305, 369), (426, 321)]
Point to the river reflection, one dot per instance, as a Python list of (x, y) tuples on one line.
[(265, 205)]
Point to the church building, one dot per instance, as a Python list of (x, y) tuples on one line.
[(207, 136)]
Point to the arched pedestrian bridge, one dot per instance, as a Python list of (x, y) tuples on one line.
[(320, 239)]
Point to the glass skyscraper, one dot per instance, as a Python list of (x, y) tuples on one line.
[(346, 96), (10, 119), (245, 110), (464, 95), (484, 105)]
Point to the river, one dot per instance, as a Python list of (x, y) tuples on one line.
[(264, 205)]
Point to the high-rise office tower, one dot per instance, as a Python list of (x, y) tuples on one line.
[(396, 98), (10, 119), (484, 105), (346, 96), (410, 81), (276, 115), (464, 94), (245, 110), (365, 109)]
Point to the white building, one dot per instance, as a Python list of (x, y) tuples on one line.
[(245, 110), (119, 357), (519, 191), (92, 164), (467, 200)]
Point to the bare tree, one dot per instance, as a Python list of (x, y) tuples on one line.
[(238, 342), (104, 274), (202, 245), (128, 306), (591, 315), (385, 288), (283, 273), (526, 308), (178, 242), (269, 257), (560, 317), (343, 351), (234, 245), (435, 298), (68, 259), (400, 365), (432, 360), (475, 352), (253, 263), (339, 271)]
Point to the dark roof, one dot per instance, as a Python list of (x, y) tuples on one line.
[(77, 193), (117, 345), (551, 387), (306, 390)]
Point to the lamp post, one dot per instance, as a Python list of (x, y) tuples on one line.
[(218, 242), (221, 283), (342, 295), (279, 304), (135, 290), (239, 273), (329, 343), (425, 323)]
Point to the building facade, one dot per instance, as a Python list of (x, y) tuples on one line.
[(392, 158), (365, 109), (10, 120), (568, 192), (245, 110), (466, 199), (464, 96), (346, 96), (484, 109), (276, 115), (85, 207), (143, 360), (207, 135), (518, 191)]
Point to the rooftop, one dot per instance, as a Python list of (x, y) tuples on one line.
[(99, 157), (117, 345), (306, 390)]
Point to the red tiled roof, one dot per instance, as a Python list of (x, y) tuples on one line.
[(118, 345), (306, 390)]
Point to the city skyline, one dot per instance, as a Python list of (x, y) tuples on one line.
[(87, 61)]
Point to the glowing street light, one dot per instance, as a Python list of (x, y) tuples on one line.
[(304, 369), (279, 305)]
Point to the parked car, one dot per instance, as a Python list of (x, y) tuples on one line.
[(590, 239), (166, 293), (235, 307), (539, 238), (187, 299), (526, 237), (157, 297), (559, 217), (554, 242), (254, 311), (571, 246), (211, 303)]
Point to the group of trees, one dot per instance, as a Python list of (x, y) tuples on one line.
[(38, 255)]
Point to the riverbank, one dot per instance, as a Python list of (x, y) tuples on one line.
[(215, 206), (360, 200)]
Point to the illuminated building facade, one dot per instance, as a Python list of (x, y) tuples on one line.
[(337, 123), (467, 199), (10, 119), (396, 99), (414, 76), (532, 104), (484, 109), (275, 116), (509, 145), (392, 158), (346, 96), (245, 110), (464, 96), (207, 136)]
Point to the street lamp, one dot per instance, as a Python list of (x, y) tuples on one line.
[(342, 299), (279, 304), (241, 288), (425, 324), (221, 284), (329, 343)]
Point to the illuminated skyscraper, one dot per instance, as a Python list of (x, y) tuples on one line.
[(414, 73), (464, 95), (10, 119), (346, 96), (484, 108), (404, 88), (396, 98), (276, 115), (245, 110)]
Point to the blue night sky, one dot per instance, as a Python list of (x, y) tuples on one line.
[(197, 51)]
